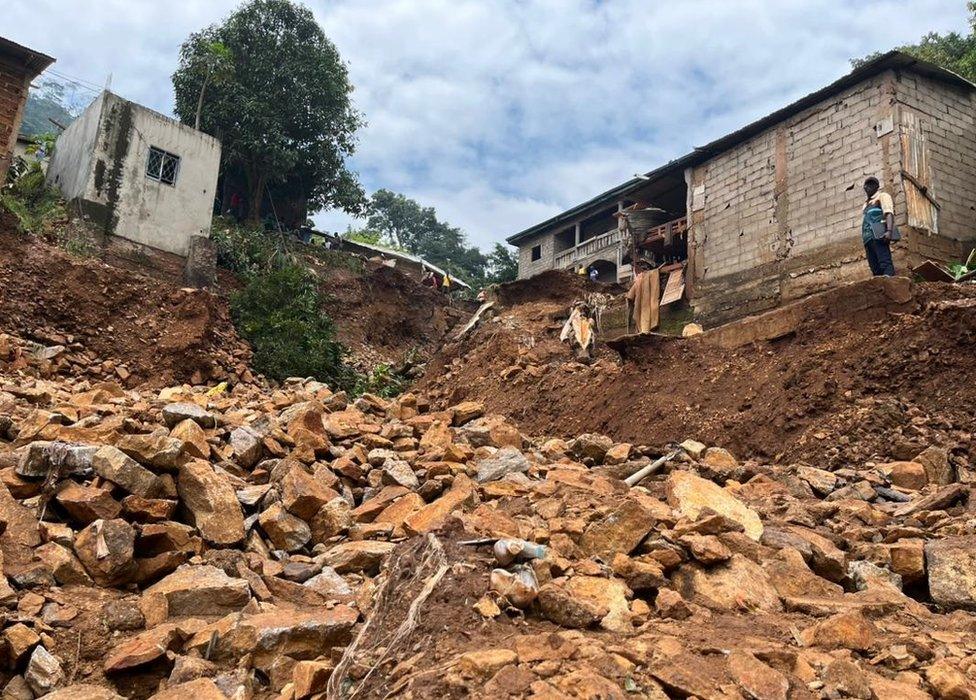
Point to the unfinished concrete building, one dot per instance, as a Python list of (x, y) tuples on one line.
[(19, 65), (771, 212), (139, 175)]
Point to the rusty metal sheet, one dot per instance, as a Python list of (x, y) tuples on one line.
[(675, 287), (923, 212)]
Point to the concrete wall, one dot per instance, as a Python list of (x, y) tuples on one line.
[(116, 191), (70, 169), (528, 267), (14, 83), (778, 216)]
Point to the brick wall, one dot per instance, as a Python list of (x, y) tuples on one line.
[(781, 212), (947, 117), (528, 267), (14, 82)]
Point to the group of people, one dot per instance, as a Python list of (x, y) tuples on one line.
[(591, 272), (429, 279)]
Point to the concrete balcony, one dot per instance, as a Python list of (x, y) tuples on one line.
[(606, 243)]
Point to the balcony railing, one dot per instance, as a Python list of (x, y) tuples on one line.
[(588, 247)]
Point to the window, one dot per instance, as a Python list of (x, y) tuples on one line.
[(536, 252), (162, 166)]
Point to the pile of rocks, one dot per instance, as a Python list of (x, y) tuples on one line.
[(218, 543)]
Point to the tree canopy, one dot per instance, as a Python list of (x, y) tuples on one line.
[(404, 224), (273, 88), (953, 51)]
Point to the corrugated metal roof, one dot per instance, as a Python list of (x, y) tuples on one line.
[(893, 60), (405, 256), (33, 60)]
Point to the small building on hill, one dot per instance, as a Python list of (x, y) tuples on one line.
[(771, 212), (19, 65), (138, 174)]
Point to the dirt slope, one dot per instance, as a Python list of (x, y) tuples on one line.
[(154, 330), (826, 393)]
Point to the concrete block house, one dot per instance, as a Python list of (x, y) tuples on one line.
[(19, 65), (771, 212), (138, 174)]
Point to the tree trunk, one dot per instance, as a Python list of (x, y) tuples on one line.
[(255, 182), (203, 89)]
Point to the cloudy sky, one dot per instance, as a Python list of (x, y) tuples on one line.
[(501, 113)]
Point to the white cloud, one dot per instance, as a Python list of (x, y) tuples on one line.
[(499, 112)]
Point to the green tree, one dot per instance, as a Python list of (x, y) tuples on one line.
[(282, 109), (952, 51), (502, 264), (407, 225)]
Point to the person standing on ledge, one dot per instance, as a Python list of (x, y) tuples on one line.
[(877, 228)]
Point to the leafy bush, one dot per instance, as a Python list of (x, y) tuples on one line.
[(382, 381), (36, 206), (243, 249), (279, 312)]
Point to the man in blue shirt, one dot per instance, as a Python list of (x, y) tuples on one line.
[(877, 226)]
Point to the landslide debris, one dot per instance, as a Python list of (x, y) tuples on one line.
[(288, 543), (139, 329), (827, 394)]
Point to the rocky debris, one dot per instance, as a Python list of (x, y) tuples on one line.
[(231, 543)]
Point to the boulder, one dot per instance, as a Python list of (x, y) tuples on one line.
[(758, 680), (738, 584), (582, 601), (949, 682), (466, 411), (193, 437), (362, 555), (938, 469), (84, 691), (86, 504), (906, 475), (156, 449), (492, 431), (43, 671), (106, 549), (37, 458), (178, 412), (302, 494), (951, 564), (908, 559), (507, 460), (198, 689), (397, 472), (591, 446), (690, 494), (842, 631), (63, 564), (283, 529), (247, 446), (271, 635), (196, 591), (432, 516), (621, 530), (213, 503), (116, 466)]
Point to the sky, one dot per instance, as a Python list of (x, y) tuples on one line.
[(502, 113)]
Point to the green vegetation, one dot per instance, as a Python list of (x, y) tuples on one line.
[(279, 312), (275, 90), (953, 51), (36, 206), (401, 223)]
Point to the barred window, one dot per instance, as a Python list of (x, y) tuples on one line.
[(162, 166)]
